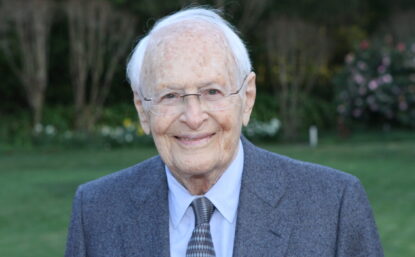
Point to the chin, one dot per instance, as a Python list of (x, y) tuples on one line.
[(197, 165)]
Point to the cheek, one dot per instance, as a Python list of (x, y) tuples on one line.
[(230, 124), (160, 126), (231, 120), (160, 133)]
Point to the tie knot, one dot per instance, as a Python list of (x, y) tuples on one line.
[(203, 210)]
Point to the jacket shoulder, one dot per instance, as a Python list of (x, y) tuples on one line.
[(140, 174), (302, 170), (299, 178), (293, 168)]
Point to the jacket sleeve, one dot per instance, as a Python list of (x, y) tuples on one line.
[(75, 246), (357, 234)]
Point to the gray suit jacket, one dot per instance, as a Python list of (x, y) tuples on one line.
[(286, 208)]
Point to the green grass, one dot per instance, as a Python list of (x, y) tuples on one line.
[(36, 188)]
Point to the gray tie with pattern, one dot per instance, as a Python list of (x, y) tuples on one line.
[(201, 244)]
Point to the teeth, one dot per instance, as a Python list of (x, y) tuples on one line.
[(192, 138)]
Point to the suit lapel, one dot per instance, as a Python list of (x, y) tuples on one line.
[(263, 225), (146, 230)]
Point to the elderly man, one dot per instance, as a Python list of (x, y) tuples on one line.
[(211, 192)]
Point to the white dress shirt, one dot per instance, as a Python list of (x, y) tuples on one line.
[(224, 195)]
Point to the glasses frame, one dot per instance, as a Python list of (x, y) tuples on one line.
[(150, 99)]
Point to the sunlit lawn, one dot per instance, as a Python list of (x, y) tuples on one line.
[(36, 189)]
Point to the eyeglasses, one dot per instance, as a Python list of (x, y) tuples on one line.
[(211, 98)]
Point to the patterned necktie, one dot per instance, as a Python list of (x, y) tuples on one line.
[(201, 244)]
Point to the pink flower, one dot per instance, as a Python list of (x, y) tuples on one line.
[(381, 69), (386, 60), (401, 47), (357, 113), (362, 90), (362, 65), (373, 85), (387, 78), (349, 58), (403, 106), (359, 79), (380, 81), (374, 107), (364, 45)]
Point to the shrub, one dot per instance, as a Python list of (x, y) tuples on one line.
[(129, 133), (263, 123), (262, 129), (118, 128), (377, 84)]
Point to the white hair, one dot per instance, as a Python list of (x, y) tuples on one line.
[(236, 45)]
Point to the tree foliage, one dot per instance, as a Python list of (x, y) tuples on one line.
[(90, 45), (99, 38), (297, 52), (25, 30)]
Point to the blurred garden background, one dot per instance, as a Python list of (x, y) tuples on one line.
[(346, 68)]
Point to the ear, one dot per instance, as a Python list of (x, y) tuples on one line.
[(250, 94), (142, 114)]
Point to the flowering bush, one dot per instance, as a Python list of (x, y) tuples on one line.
[(262, 129), (126, 134), (46, 130), (129, 133), (377, 83)]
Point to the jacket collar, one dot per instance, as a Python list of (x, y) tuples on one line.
[(263, 226), (260, 176), (146, 230)]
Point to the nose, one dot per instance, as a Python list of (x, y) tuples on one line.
[(193, 114)]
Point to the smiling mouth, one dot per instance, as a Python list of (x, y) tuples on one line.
[(190, 140)]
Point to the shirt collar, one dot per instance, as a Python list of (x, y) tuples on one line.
[(224, 194)]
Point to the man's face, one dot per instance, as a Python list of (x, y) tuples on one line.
[(194, 142)]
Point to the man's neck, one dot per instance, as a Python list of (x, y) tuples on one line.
[(199, 185)]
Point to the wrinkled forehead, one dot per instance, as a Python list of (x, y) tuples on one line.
[(189, 46), (188, 30)]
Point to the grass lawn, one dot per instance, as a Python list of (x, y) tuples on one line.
[(36, 189)]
